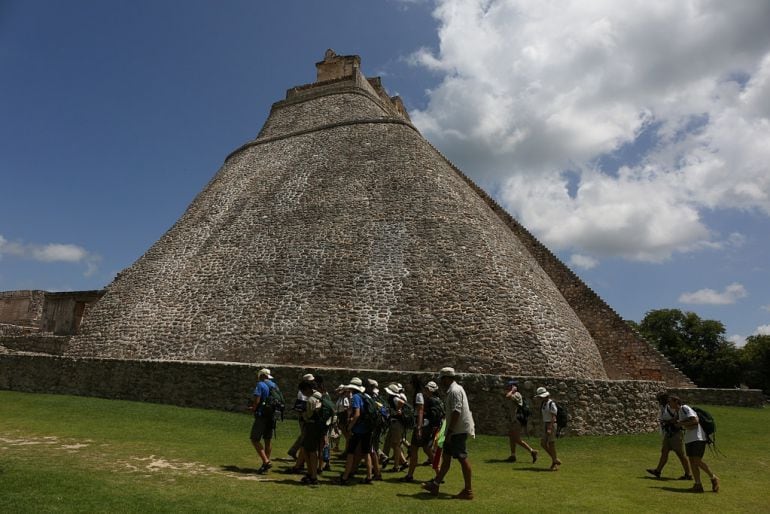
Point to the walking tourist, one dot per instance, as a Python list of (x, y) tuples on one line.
[(672, 439), (548, 410), (458, 427)]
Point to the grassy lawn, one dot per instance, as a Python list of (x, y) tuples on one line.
[(72, 454)]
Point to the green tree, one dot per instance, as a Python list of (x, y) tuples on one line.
[(756, 362), (694, 345)]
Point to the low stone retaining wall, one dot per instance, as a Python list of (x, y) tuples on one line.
[(38, 343), (735, 397), (595, 406)]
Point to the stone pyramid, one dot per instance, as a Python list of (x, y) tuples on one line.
[(340, 237)]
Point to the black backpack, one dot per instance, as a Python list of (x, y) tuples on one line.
[(371, 414), (562, 418), (707, 423), (524, 412), (434, 412), (407, 416)]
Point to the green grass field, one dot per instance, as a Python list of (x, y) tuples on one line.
[(72, 454)]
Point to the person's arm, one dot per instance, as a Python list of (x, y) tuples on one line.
[(420, 415), (353, 418)]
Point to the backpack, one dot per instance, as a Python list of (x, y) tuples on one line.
[(275, 402), (525, 411), (562, 418), (325, 412), (435, 411), (707, 423), (372, 414), (407, 415)]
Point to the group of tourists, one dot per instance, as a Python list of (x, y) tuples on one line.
[(683, 434), (373, 426)]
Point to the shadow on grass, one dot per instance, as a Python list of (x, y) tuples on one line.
[(499, 461), (676, 490), (663, 479), (536, 470), (237, 469), (424, 495)]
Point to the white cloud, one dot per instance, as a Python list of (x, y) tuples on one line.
[(730, 295), (533, 89), (58, 253), (583, 261), (52, 252), (737, 340), (763, 330)]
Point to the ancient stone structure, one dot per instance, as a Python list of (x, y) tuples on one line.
[(341, 236), (42, 312), (340, 241)]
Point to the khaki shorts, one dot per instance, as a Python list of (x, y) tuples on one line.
[(675, 442), (548, 438)]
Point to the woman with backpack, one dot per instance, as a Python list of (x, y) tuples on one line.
[(429, 412), (401, 414), (518, 413)]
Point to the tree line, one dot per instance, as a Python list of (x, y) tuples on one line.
[(698, 347)]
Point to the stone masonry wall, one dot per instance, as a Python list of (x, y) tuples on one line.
[(626, 355), (350, 245), (627, 406), (23, 308)]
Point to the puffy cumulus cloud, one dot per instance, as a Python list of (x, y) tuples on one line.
[(730, 295), (763, 330), (583, 261), (53, 252), (536, 97)]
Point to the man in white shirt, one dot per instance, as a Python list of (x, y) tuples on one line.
[(695, 441), (459, 426), (549, 410)]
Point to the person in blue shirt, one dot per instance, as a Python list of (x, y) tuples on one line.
[(360, 442), (263, 426)]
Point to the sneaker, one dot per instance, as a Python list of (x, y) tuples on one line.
[(715, 484), (654, 472), (377, 478), (697, 488), (407, 478), (512, 458), (343, 481), (534, 456), (327, 467), (367, 480), (403, 466), (427, 463), (292, 454), (685, 477), (431, 487), (266, 466), (465, 494)]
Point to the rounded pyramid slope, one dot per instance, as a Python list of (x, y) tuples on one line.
[(340, 237)]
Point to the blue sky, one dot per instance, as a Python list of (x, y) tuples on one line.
[(631, 139)]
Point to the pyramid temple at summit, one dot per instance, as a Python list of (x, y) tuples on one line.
[(341, 237)]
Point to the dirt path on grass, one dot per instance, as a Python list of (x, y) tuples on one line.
[(102, 456)]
